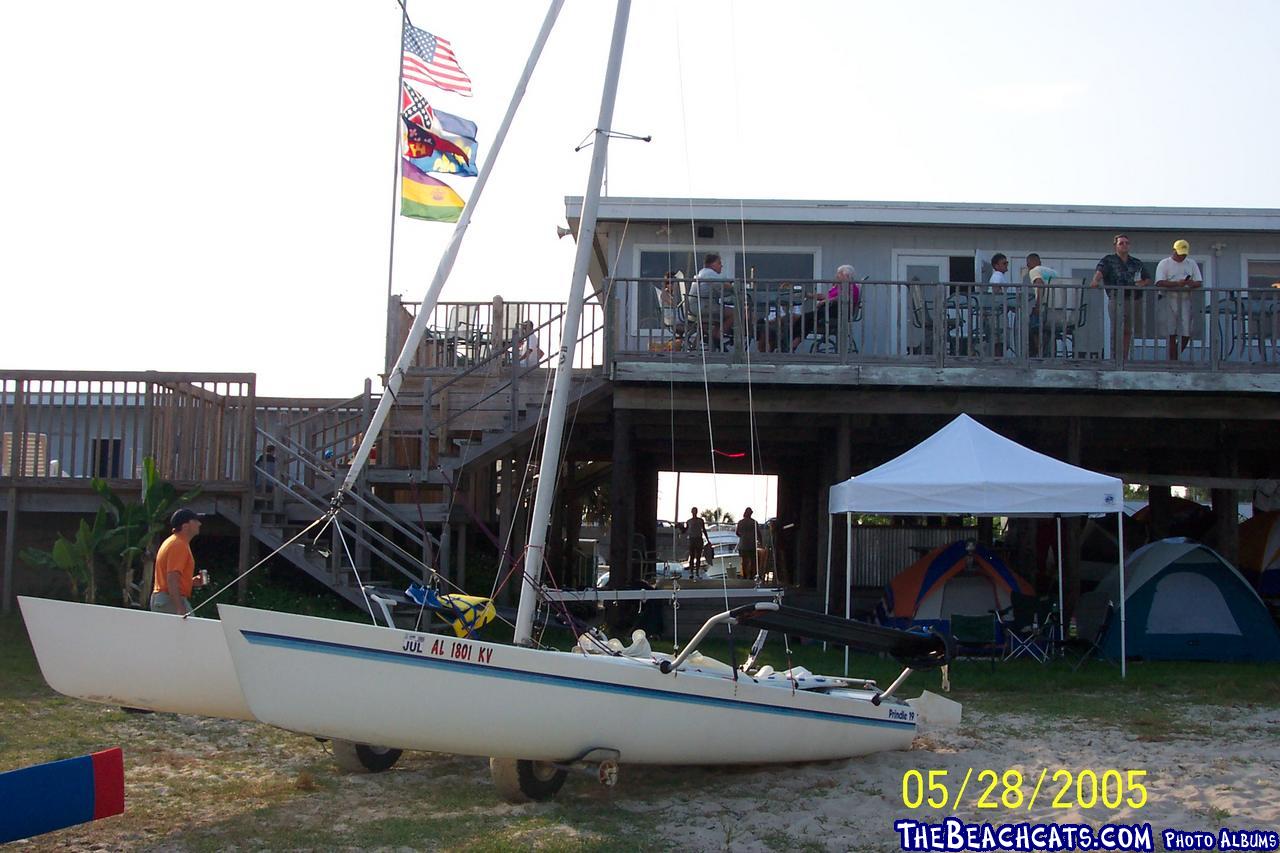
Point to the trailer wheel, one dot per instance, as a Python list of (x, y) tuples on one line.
[(519, 780), (363, 758)]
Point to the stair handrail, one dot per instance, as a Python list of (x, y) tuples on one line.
[(370, 502), (499, 388), (352, 528), (356, 402), (508, 348)]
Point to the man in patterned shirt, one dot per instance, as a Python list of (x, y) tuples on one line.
[(1122, 270)]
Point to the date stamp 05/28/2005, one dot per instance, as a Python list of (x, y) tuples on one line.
[(1011, 791)]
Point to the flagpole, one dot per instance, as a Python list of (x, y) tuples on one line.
[(395, 180), (395, 375)]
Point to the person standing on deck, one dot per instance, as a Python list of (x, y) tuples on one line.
[(1178, 274), (747, 539), (175, 574), (999, 273), (695, 530), (1041, 322), (1120, 269)]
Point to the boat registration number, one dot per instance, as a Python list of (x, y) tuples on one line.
[(440, 647)]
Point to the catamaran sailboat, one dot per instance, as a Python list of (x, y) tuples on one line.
[(532, 711)]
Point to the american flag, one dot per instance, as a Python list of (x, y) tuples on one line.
[(430, 59)]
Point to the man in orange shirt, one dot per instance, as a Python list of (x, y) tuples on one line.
[(176, 566)]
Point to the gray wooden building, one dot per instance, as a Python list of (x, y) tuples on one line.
[(816, 392), (761, 375)]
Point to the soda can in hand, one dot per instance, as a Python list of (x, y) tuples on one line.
[(204, 577)]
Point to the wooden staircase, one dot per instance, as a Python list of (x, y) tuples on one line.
[(444, 425)]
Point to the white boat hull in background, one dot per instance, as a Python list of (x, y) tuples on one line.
[(371, 684), (134, 658)]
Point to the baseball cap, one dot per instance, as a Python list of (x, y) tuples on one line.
[(182, 516), (1181, 247)]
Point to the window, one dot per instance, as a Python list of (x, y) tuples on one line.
[(1262, 274), (770, 266)]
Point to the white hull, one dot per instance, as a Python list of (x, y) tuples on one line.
[(371, 684), (134, 658)]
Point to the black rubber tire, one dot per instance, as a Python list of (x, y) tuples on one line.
[(519, 780), (363, 758)]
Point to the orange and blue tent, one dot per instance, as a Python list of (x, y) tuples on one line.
[(1260, 552), (946, 581)]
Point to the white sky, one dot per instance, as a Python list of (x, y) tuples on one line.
[(208, 186)]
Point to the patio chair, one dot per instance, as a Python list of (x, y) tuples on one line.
[(825, 336), (1062, 313), (976, 636), (706, 314), (1095, 648), (957, 313), (466, 336), (1029, 626), (675, 316)]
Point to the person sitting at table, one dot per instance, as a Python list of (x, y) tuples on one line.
[(822, 317), (710, 287)]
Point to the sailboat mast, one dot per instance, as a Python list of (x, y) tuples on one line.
[(572, 319), (396, 376)]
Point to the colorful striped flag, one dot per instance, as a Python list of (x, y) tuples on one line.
[(436, 149), (429, 59), (423, 197)]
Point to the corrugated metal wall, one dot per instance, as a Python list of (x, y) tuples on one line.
[(879, 553)]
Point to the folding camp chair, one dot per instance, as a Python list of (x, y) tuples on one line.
[(1029, 625), (976, 636), (1095, 648)]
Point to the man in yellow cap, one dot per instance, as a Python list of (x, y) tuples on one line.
[(1176, 275)]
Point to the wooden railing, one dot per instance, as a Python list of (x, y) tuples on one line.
[(463, 334), (328, 431), (83, 424), (948, 324)]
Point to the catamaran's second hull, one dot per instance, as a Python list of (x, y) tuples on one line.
[(371, 684), (134, 658)]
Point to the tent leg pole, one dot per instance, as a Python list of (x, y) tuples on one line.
[(848, 578), (826, 579), (1062, 608), (1124, 654)]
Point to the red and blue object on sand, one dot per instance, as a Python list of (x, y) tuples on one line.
[(39, 799)]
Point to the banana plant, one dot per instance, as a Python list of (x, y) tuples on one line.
[(78, 557), (136, 525)]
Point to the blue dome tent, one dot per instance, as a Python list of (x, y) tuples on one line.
[(1184, 602)]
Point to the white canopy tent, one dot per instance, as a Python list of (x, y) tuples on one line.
[(966, 469)]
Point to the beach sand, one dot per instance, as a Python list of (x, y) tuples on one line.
[(1220, 769), (1205, 769)]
